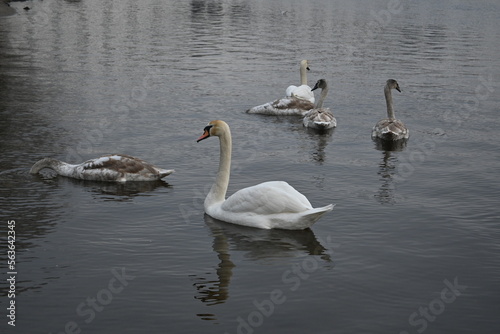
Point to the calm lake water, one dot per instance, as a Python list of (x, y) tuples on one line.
[(413, 243)]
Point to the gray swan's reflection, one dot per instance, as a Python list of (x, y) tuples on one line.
[(385, 194), (388, 168), (257, 244), (322, 137), (319, 137), (389, 172), (117, 191), (390, 145)]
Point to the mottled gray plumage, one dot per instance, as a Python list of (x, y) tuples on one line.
[(319, 117), (286, 106), (390, 128), (114, 167)]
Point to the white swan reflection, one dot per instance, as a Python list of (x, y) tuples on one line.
[(264, 246)]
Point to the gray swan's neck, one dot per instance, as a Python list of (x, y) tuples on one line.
[(324, 92), (388, 101), (50, 163)]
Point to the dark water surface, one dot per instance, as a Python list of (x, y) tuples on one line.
[(412, 246)]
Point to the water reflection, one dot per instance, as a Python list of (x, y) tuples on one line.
[(261, 244), (201, 7), (110, 191), (36, 216), (257, 245), (216, 291), (388, 168), (206, 28), (390, 145), (321, 139)]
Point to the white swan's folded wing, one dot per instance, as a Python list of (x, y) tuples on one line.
[(267, 198), (290, 90), (303, 92)]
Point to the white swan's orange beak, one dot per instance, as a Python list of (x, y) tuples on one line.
[(205, 135)]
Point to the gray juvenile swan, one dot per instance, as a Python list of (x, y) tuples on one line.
[(319, 117), (115, 167), (390, 128)]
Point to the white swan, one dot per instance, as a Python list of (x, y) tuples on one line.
[(267, 205), (303, 92), (298, 100), (319, 117), (390, 128), (116, 167)]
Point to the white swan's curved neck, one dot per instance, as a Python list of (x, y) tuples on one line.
[(324, 92), (388, 101), (219, 188), (303, 73)]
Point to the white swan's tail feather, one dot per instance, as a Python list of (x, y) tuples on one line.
[(318, 212), (307, 219), (315, 214)]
